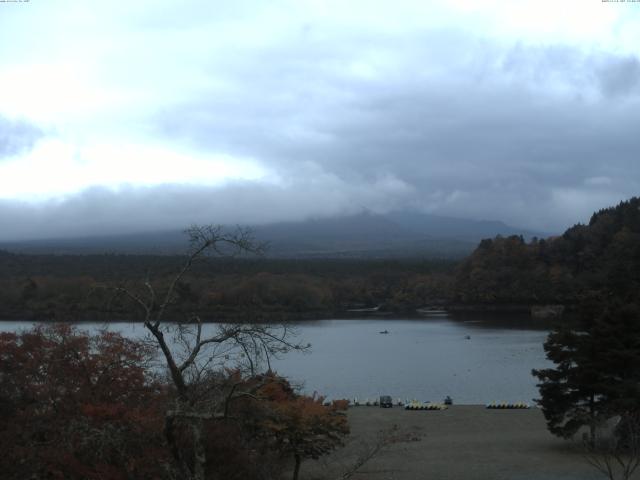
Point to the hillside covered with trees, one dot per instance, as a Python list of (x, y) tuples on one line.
[(602, 256)]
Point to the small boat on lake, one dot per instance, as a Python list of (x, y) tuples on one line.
[(364, 310), (435, 311), (384, 332)]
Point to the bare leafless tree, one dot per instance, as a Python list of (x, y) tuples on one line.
[(370, 450), (616, 451), (353, 460), (196, 353)]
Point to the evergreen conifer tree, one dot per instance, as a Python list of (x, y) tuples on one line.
[(597, 372)]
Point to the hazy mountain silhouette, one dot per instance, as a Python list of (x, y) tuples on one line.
[(395, 234)]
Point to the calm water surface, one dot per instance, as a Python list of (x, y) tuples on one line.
[(472, 359)]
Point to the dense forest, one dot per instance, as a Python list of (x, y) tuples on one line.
[(70, 287), (602, 256)]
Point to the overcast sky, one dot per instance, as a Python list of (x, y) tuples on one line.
[(136, 115)]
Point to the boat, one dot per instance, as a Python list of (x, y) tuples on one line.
[(384, 332), (431, 311), (364, 310)]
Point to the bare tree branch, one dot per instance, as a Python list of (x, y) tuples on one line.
[(191, 355), (616, 453)]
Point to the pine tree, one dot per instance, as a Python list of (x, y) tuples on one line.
[(570, 397), (597, 372), (617, 335)]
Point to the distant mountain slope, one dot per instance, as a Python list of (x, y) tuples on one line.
[(395, 234)]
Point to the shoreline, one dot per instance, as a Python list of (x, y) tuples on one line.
[(521, 312)]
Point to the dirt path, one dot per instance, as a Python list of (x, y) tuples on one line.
[(462, 443)]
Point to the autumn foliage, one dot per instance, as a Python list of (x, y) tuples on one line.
[(301, 426), (74, 406)]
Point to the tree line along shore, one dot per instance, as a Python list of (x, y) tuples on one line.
[(503, 273)]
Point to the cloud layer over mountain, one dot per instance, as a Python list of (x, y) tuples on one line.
[(159, 115)]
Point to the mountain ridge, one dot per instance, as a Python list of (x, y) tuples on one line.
[(366, 234)]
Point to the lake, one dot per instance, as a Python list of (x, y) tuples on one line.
[(474, 359)]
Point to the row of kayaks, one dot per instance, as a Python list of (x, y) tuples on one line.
[(371, 403), (416, 405), (425, 406), (500, 406)]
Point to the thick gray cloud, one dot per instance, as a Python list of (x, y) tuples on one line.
[(450, 109), (517, 134), (100, 211), (620, 76), (16, 136)]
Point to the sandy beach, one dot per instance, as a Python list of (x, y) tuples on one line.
[(462, 443)]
